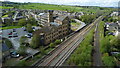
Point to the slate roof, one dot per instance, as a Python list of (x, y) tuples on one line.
[(61, 18)]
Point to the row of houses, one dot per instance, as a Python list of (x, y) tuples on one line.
[(114, 27)]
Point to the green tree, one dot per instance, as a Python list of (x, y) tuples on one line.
[(29, 28), (88, 18), (8, 43), (57, 42), (32, 21), (115, 43), (23, 40), (52, 45), (108, 61), (22, 50), (22, 22), (105, 45), (35, 41)]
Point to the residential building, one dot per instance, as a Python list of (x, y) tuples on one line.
[(114, 27), (57, 27), (7, 20)]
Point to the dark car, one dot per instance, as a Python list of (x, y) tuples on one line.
[(30, 34), (14, 30), (33, 27), (24, 29), (10, 36), (15, 35)]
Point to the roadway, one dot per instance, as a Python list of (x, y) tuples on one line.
[(60, 54)]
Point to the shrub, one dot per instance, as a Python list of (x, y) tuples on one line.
[(8, 43), (57, 42), (52, 45)]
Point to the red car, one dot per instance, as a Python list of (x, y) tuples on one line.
[(10, 33)]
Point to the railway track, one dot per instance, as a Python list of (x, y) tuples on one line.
[(58, 57)]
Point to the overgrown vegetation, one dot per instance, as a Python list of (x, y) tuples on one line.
[(82, 55), (88, 18), (107, 45)]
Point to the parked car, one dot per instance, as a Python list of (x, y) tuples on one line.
[(15, 34), (29, 35), (14, 30), (0, 32), (10, 33), (14, 54), (24, 29), (33, 28), (9, 36)]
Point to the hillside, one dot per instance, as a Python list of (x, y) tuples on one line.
[(42, 6)]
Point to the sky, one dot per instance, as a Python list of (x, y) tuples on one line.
[(102, 3)]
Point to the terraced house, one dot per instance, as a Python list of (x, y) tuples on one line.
[(56, 27)]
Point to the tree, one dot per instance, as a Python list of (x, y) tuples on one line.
[(8, 43), (52, 45), (105, 45), (57, 42), (32, 21), (35, 41), (115, 43), (88, 18), (108, 61), (23, 40), (22, 22), (29, 28), (22, 50)]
